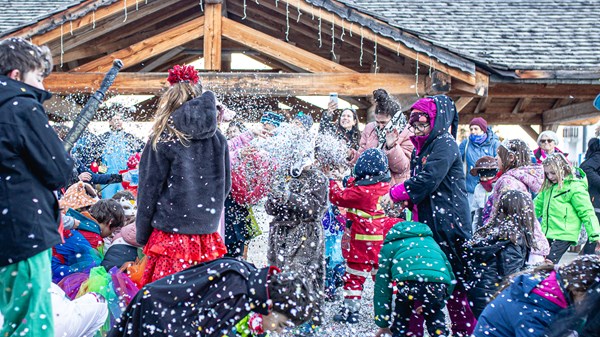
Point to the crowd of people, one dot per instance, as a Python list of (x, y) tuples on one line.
[(122, 238)]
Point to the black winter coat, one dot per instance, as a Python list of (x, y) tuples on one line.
[(591, 167), (205, 300), (492, 262), (437, 186), (33, 163), (182, 187)]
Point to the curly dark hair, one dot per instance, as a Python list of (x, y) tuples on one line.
[(386, 105), (108, 211)]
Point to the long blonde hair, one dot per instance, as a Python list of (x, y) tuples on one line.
[(171, 100), (560, 165)]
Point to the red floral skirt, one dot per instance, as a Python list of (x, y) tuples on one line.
[(169, 253)]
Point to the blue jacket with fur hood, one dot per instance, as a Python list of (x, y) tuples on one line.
[(182, 187)]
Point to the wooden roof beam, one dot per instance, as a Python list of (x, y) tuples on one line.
[(279, 50), (162, 59), (530, 132), (150, 47), (274, 84), (570, 113), (389, 43), (538, 90), (482, 104), (145, 12), (462, 102), (212, 34), (89, 19), (522, 105)]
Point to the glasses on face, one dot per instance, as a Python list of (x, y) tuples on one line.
[(546, 141), (419, 127)]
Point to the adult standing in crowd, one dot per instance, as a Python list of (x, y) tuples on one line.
[(481, 142), (346, 126), (383, 134), (117, 146), (591, 167), (547, 144), (437, 190)]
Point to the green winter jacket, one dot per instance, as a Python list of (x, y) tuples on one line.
[(564, 210), (409, 253)]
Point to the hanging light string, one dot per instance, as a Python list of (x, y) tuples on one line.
[(136, 5), (351, 26), (287, 21), (94, 19), (125, 9), (343, 32), (375, 55), (62, 49), (417, 77), (244, 18), (361, 46), (201, 6), (320, 38), (333, 37), (299, 13), (71, 24)]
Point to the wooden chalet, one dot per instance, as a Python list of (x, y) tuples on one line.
[(511, 62)]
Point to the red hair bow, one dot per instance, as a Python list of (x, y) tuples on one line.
[(183, 74)]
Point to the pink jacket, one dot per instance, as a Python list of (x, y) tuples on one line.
[(398, 156), (236, 144), (527, 179)]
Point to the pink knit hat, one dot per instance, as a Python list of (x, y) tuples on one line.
[(427, 110)]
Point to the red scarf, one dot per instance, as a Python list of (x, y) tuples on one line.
[(489, 185)]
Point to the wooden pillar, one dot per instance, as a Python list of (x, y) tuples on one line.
[(212, 34)]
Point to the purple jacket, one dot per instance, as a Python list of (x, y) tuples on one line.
[(527, 179)]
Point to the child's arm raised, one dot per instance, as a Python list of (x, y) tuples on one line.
[(348, 198)]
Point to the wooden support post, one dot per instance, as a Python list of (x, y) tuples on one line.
[(483, 104), (462, 102), (522, 105), (530, 132), (212, 34)]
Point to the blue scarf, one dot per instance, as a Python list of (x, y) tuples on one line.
[(478, 139)]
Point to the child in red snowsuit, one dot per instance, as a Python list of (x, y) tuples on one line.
[(365, 229)]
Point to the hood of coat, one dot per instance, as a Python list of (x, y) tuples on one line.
[(532, 176), (407, 229), (593, 148), (10, 89), (523, 287), (197, 118), (446, 118)]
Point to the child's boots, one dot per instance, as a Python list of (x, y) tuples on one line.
[(348, 313)]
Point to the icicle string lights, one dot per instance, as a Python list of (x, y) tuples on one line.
[(343, 32), (62, 49), (351, 26), (94, 19), (375, 55), (398, 49), (361, 45), (71, 25), (137, 6), (417, 77), (201, 6), (333, 37), (430, 66), (320, 38), (276, 3), (299, 13), (125, 9), (287, 21), (244, 17)]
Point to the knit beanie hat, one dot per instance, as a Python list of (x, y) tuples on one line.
[(134, 161), (270, 117), (305, 119), (128, 234), (372, 162), (79, 195), (427, 111), (480, 122)]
